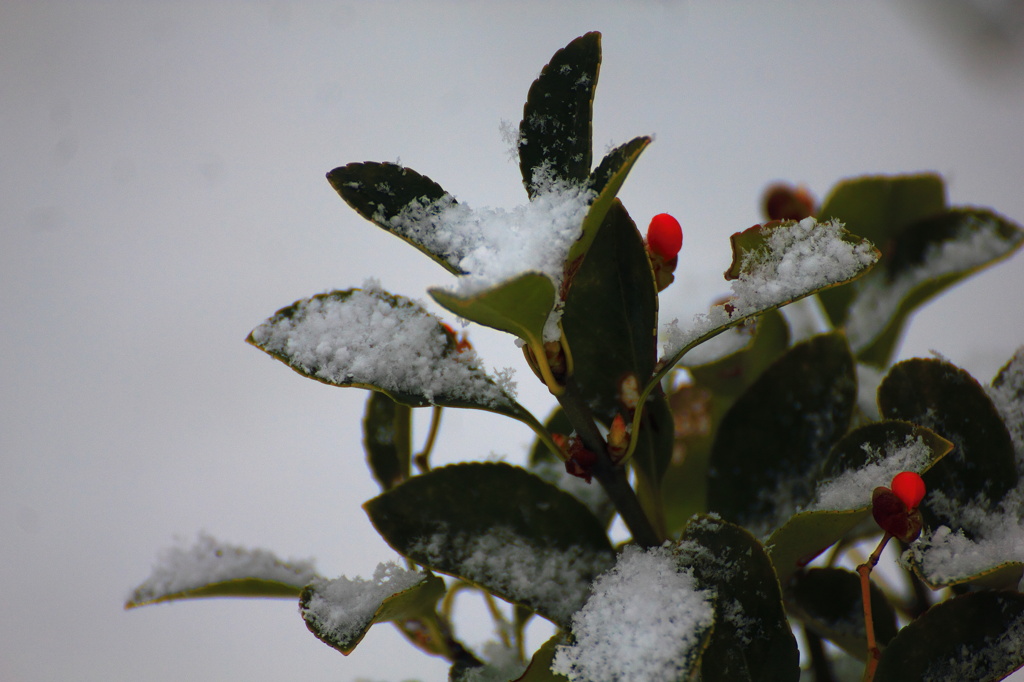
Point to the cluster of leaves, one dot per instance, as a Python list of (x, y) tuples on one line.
[(730, 459)]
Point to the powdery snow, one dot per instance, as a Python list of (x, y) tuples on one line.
[(493, 246), (508, 563), (373, 338), (852, 489), (795, 261), (1008, 398), (947, 555), (342, 609), (878, 298), (209, 562), (642, 620)]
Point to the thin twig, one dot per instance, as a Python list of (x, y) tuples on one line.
[(869, 626)]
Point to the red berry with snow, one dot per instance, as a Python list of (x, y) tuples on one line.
[(909, 487), (665, 236)]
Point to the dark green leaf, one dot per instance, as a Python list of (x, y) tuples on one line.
[(383, 193), (948, 400), (501, 528), (555, 135), (829, 601), (387, 439), (972, 638), (771, 445), (751, 640), (605, 181), (339, 612), (610, 315)]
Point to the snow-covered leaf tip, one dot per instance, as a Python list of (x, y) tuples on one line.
[(214, 569)]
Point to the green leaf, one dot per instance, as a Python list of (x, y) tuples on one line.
[(751, 640), (340, 612), (373, 339), (605, 181), (211, 569), (829, 601), (951, 402), (239, 587), (772, 442), (926, 258), (867, 457), (519, 306), (387, 439), (501, 528), (611, 314), (555, 135), (384, 192), (972, 638)]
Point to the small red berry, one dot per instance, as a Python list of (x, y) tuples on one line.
[(665, 236), (909, 487)]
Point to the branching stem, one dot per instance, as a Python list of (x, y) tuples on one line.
[(611, 477), (865, 590)]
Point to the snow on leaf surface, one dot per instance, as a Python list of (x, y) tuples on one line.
[(340, 611), (852, 488), (510, 564), (980, 240), (497, 245), (367, 337), (182, 573), (645, 620), (794, 260)]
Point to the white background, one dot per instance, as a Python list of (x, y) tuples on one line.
[(162, 191)]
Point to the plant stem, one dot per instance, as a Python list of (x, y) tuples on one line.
[(611, 477), (422, 459), (869, 626)]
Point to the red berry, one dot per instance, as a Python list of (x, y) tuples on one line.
[(909, 487), (665, 236)]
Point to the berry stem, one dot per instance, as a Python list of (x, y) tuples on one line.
[(869, 626)]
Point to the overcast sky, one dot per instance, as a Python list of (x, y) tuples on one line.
[(162, 192)]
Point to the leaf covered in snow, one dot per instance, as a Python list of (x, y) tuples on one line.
[(210, 568), (372, 339), (925, 248), (339, 612), (646, 619), (499, 527)]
